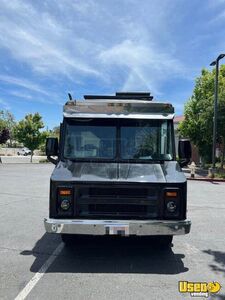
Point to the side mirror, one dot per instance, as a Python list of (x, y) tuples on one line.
[(51, 149), (184, 152)]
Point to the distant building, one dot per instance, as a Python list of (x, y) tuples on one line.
[(195, 152)]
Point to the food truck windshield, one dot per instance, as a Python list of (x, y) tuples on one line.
[(118, 139)]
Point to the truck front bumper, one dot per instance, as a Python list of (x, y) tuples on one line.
[(117, 227)]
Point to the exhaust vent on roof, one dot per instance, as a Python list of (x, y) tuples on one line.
[(122, 95)]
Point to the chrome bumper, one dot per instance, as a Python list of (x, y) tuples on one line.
[(117, 227)]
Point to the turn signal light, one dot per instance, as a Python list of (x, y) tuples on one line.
[(171, 194), (65, 192)]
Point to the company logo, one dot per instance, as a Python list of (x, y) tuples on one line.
[(199, 289)]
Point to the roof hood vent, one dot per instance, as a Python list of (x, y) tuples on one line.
[(122, 95)]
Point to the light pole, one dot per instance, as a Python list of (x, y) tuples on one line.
[(215, 63)]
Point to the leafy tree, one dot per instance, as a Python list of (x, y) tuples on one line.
[(4, 135), (4, 128), (7, 120), (28, 131), (42, 145), (198, 122), (55, 132)]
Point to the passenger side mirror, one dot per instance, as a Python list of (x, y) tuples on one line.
[(184, 152), (51, 149)]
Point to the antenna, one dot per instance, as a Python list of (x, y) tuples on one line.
[(70, 97), (71, 101)]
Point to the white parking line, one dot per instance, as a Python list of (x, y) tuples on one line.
[(31, 284)]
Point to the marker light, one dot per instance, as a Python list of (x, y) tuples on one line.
[(65, 192), (171, 194)]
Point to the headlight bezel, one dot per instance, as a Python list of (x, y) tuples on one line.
[(69, 196), (172, 195)]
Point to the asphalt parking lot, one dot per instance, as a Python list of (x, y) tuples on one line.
[(102, 268)]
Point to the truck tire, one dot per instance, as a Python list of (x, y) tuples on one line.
[(165, 240)]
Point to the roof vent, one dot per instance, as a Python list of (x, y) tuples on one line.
[(122, 95)]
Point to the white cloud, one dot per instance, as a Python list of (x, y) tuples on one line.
[(36, 92), (120, 44), (146, 65), (21, 94), (24, 83), (24, 96), (40, 40)]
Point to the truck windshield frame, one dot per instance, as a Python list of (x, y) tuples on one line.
[(118, 140)]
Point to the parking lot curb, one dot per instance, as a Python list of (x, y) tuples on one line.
[(206, 179)]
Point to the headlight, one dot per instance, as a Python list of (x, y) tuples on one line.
[(171, 206), (65, 204)]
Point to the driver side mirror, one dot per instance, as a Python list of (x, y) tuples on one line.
[(51, 149), (184, 152)]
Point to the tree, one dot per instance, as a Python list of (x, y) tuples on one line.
[(198, 112), (28, 131), (4, 135), (4, 130), (7, 120), (55, 131)]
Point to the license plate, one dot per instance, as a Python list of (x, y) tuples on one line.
[(122, 230)]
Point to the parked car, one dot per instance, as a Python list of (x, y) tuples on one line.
[(24, 151)]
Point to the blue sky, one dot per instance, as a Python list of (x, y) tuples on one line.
[(49, 48)]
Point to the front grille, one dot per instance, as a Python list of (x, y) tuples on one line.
[(123, 201), (118, 192)]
